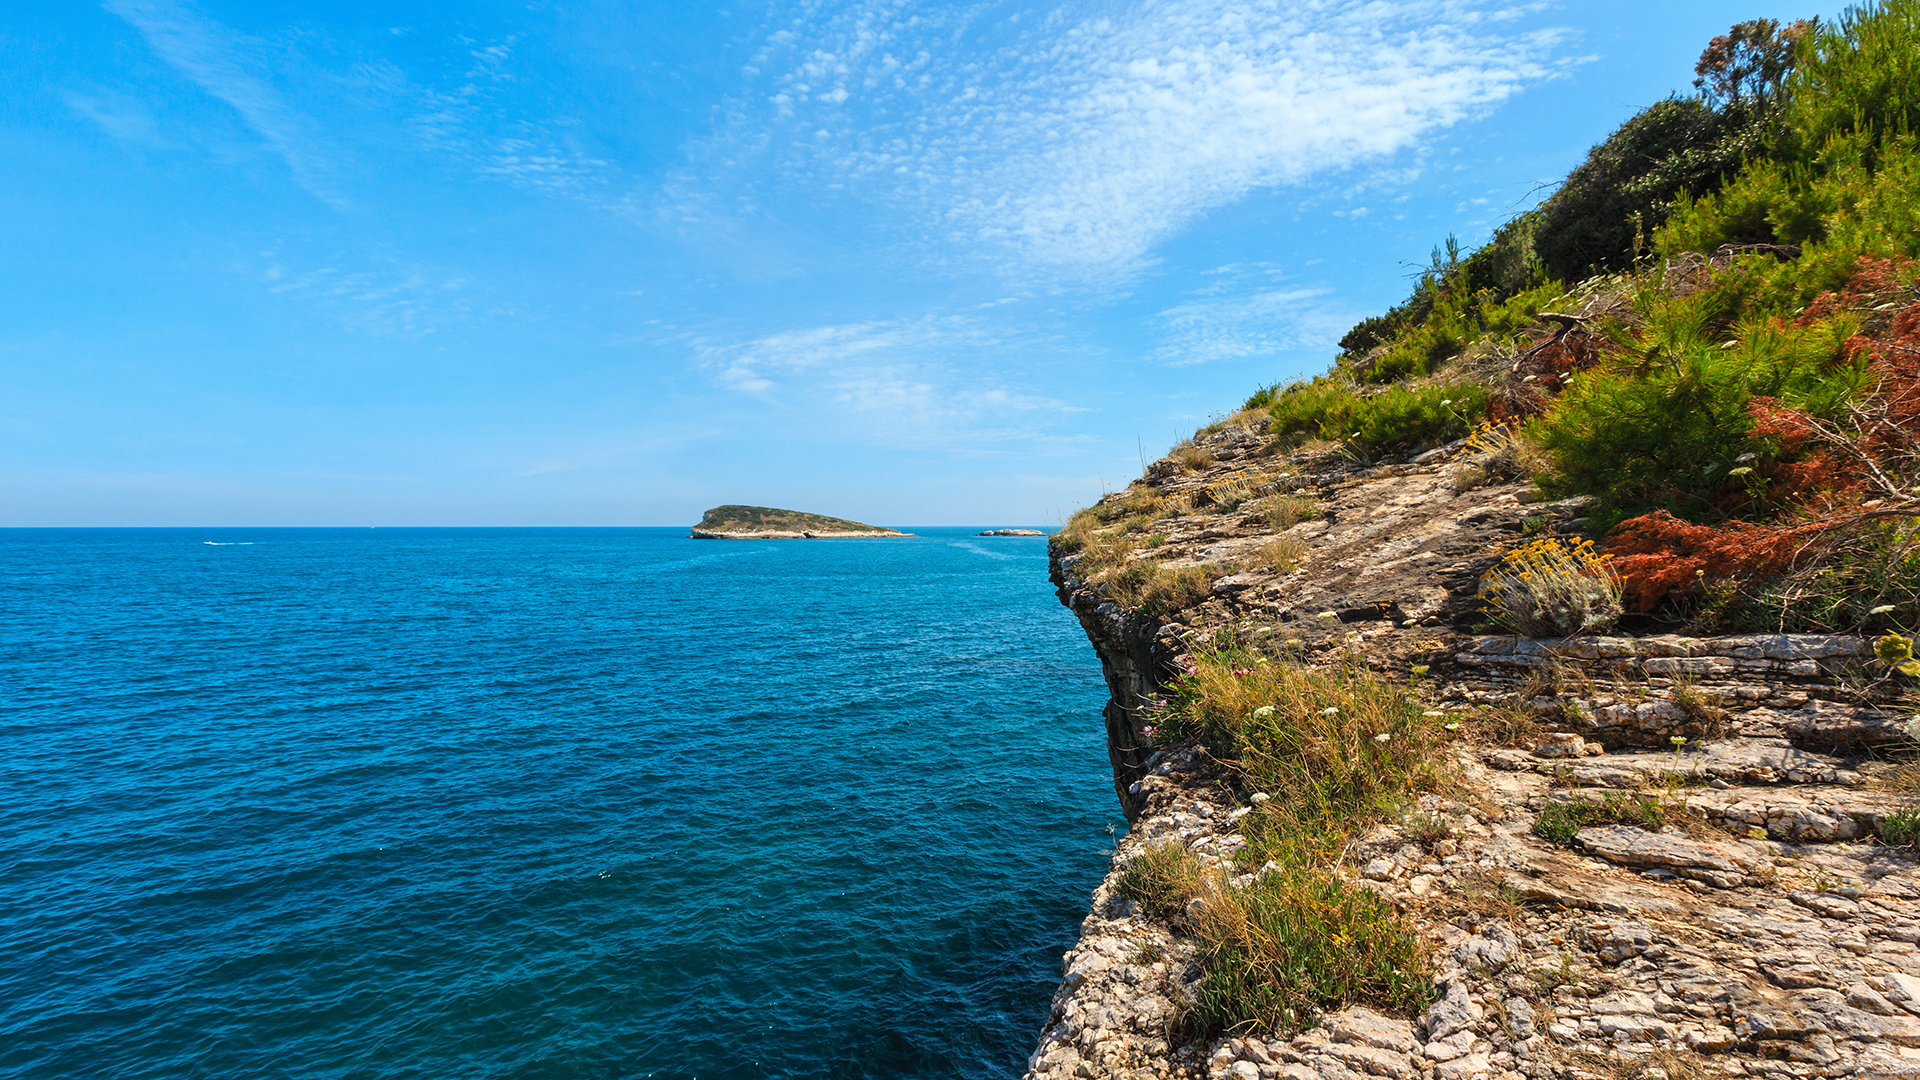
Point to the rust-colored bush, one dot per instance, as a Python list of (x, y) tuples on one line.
[(1658, 557)]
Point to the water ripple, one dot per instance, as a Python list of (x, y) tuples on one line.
[(536, 803)]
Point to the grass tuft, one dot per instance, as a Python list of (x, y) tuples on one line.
[(1337, 751), (1559, 822), (1283, 512), (1163, 878)]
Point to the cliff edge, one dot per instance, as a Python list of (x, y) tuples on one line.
[(1533, 694), (1750, 926)]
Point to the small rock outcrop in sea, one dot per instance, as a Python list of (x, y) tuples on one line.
[(732, 522), (1774, 938), (1011, 532)]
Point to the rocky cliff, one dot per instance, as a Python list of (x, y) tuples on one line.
[(1771, 935)]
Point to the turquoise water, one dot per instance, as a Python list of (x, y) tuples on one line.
[(537, 803)]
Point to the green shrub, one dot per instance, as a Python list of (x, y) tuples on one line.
[(1841, 183), (1614, 201), (1302, 407), (1858, 75), (1665, 422), (1400, 418)]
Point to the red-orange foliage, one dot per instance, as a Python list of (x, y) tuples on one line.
[(1658, 556), (1825, 468)]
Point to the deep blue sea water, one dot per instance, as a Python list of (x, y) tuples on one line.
[(537, 803)]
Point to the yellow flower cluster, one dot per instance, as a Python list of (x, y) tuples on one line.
[(1237, 478), (1491, 437), (1551, 587), (1545, 558)]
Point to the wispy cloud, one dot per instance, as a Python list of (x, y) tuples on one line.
[(239, 71), (1248, 312), (910, 382), (1067, 146), (122, 117), (375, 295)]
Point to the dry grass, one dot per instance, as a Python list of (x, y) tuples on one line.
[(1496, 453), (1280, 555), (1503, 725), (1155, 589), (1285, 511), (1483, 894), (1190, 457), (1336, 752)]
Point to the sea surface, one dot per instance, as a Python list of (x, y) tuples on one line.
[(537, 803)]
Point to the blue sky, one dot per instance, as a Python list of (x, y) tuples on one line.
[(612, 264)]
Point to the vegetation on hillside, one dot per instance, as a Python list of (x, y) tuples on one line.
[(1712, 331), (1329, 753), (1712, 327)]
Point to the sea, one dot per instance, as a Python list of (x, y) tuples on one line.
[(450, 803)]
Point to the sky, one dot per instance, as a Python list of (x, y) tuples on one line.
[(601, 264)]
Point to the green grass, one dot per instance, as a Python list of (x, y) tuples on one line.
[(1336, 752), (1163, 878), (1901, 828), (1559, 822)]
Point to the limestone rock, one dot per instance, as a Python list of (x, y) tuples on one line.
[(1717, 864)]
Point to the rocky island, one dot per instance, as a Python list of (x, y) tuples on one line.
[(1011, 532), (733, 522), (1533, 694)]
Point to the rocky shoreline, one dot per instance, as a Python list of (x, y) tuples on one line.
[(1774, 938)]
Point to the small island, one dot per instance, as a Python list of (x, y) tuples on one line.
[(732, 522), (1011, 532)]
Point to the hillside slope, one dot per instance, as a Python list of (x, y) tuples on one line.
[(1533, 694)]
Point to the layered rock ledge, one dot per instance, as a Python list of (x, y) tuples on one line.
[(1775, 938)]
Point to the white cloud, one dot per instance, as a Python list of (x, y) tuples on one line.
[(379, 296), (124, 118), (1070, 145), (908, 382), (1249, 310), (1262, 323), (239, 72)]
